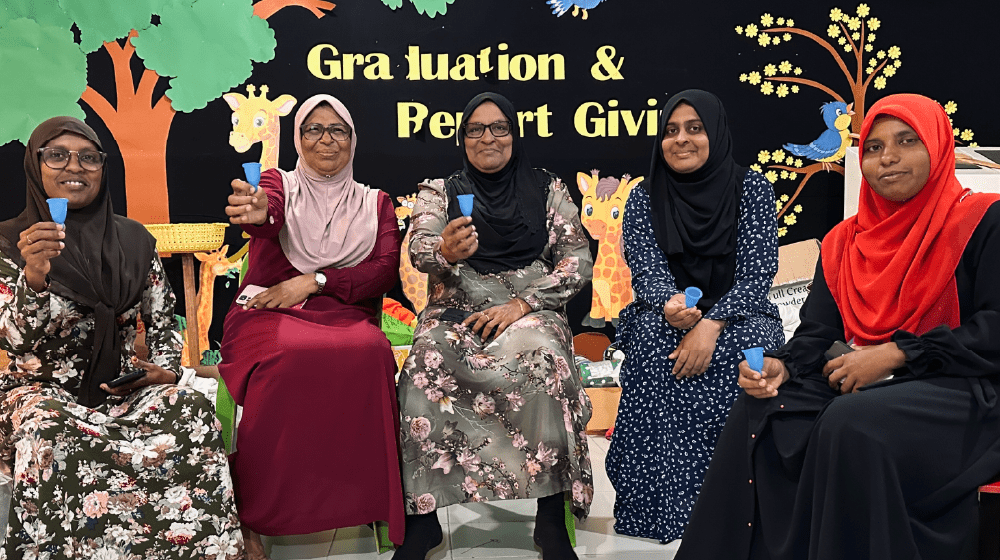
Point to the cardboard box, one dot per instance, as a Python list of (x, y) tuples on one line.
[(605, 401), (796, 266)]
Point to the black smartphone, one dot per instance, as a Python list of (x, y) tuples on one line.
[(127, 378), (454, 315), (837, 349)]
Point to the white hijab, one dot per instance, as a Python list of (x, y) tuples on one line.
[(321, 211)]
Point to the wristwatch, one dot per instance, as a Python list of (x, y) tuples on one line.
[(321, 280)]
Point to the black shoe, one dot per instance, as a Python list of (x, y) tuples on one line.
[(423, 534), (550, 529)]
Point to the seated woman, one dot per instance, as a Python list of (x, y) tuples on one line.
[(829, 458), (492, 406), (700, 220), (305, 355), (139, 474)]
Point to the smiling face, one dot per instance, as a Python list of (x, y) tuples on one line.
[(325, 156), (488, 153), (685, 142), (72, 182), (895, 162)]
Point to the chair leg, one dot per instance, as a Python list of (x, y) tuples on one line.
[(989, 526)]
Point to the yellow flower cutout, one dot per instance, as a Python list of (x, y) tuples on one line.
[(771, 175), (894, 52), (889, 71), (792, 175), (847, 47), (778, 156), (754, 78), (955, 131), (784, 174), (787, 37), (897, 63), (798, 162), (782, 231), (854, 24), (755, 167), (751, 30), (743, 77), (798, 208), (833, 31), (863, 10), (868, 47), (880, 82), (790, 219), (871, 37), (739, 29), (950, 107), (798, 71), (770, 70), (782, 90), (842, 41), (974, 145), (766, 20), (874, 24), (836, 14), (880, 55), (764, 40), (870, 69), (775, 40), (966, 135), (767, 88), (784, 198), (764, 156), (781, 21), (856, 36), (790, 23), (779, 204), (795, 89)]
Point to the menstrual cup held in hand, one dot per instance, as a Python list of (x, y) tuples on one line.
[(58, 207), (252, 170), (465, 203), (755, 358), (691, 296)]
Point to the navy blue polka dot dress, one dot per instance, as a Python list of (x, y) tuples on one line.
[(666, 429)]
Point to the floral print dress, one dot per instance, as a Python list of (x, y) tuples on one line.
[(504, 419), (139, 477)]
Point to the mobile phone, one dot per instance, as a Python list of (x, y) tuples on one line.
[(248, 293), (837, 349), (454, 315), (127, 378)]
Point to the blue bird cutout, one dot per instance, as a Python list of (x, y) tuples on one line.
[(832, 144), (560, 7)]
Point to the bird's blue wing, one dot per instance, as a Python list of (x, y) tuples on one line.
[(825, 146), (559, 7)]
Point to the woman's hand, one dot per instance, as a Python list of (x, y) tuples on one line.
[(289, 293), (246, 206), (39, 244), (459, 240), (865, 366), (154, 375), (694, 354), (498, 316), (763, 385), (679, 315)]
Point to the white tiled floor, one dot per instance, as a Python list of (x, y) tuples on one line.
[(491, 530)]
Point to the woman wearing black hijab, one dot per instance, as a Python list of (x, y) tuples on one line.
[(98, 470), (492, 409), (699, 220)]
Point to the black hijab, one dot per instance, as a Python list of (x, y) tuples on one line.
[(509, 209), (695, 214), (104, 264)]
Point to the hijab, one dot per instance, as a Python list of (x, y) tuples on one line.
[(695, 214), (892, 266), (329, 221), (105, 263), (509, 207)]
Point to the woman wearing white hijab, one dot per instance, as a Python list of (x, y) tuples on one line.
[(302, 350)]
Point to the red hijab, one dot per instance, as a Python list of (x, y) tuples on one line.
[(892, 266)]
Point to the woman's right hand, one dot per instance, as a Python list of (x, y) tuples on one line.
[(763, 384), (678, 314), (246, 206), (39, 244), (459, 240)]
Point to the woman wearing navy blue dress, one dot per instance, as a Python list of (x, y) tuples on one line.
[(699, 220)]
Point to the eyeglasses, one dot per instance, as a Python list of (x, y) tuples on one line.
[(58, 158), (498, 129), (315, 131)]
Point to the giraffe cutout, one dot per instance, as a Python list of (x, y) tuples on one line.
[(603, 208), (414, 282), (213, 264)]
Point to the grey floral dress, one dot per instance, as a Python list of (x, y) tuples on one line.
[(506, 419), (140, 477)]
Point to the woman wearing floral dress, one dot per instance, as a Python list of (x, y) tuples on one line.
[(495, 415), (141, 473)]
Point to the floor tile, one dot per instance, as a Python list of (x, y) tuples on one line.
[(298, 547), (502, 511), (494, 540)]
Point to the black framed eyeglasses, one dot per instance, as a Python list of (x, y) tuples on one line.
[(315, 131), (58, 158), (498, 129)]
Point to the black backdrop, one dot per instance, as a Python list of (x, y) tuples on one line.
[(948, 53)]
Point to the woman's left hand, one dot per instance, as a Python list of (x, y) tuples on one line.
[(694, 354), (154, 375), (865, 366), (289, 293), (499, 316)]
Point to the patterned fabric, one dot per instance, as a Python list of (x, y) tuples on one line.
[(507, 419), (141, 477), (666, 429)]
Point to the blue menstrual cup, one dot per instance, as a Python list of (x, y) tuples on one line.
[(465, 203), (252, 170), (57, 207), (691, 296), (755, 358)]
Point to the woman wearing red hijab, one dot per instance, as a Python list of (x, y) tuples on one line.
[(876, 453)]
